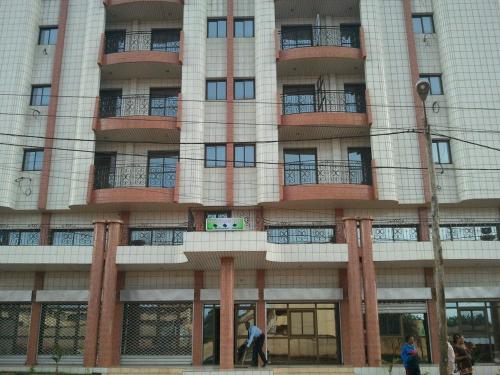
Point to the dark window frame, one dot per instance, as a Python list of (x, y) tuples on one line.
[(175, 230), (300, 151), (36, 151), (427, 78), (172, 45), (244, 20), (161, 154), (244, 81), (393, 227), (216, 145), (73, 232), (219, 34), (228, 214), (244, 163), (217, 82), (450, 227), (42, 41), (170, 102), (7, 232), (40, 100), (420, 18), (437, 142)]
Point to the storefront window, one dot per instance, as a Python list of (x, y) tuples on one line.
[(479, 323), (303, 333), (394, 327)]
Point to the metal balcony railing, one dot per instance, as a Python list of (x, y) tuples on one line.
[(323, 101), (134, 176), (157, 40), (138, 105), (327, 172), (318, 36)]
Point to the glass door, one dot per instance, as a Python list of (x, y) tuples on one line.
[(359, 165), (115, 41), (355, 98), (243, 312), (110, 103), (299, 99), (300, 167), (211, 334), (162, 169), (296, 36), (105, 170)]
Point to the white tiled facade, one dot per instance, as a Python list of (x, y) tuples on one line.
[(463, 50)]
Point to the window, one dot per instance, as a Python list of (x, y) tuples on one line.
[(216, 90), (40, 95), (395, 326), (300, 167), (423, 24), (21, 237), (48, 35), (382, 233), (215, 156), (216, 28), (243, 28), (244, 89), (299, 99), (300, 235), (115, 41), (441, 152), (296, 36), (73, 237), (434, 82), (15, 318), (163, 102), (110, 103), (464, 232), (33, 159), (244, 156), (162, 169), (156, 236), (63, 326), (166, 40), (217, 214)]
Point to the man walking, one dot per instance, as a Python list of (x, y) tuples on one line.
[(256, 336)]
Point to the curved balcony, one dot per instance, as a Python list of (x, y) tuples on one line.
[(141, 54), (327, 180), (315, 114), (138, 118), (133, 184), (316, 49)]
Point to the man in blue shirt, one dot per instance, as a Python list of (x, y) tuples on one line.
[(256, 336)]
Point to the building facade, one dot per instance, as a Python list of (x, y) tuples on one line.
[(174, 168)]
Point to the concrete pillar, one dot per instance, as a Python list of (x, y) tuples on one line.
[(226, 313), (45, 229), (432, 316), (109, 289), (35, 321), (344, 319), (357, 347), (339, 226), (370, 294), (94, 305), (423, 226), (198, 320), (261, 318), (118, 321)]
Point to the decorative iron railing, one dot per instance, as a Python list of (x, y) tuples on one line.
[(300, 235), (323, 101), (138, 105), (156, 40), (327, 172), (318, 36), (388, 233), (134, 176)]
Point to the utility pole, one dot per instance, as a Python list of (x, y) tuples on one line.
[(423, 88)]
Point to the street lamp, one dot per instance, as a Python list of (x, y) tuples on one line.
[(423, 89)]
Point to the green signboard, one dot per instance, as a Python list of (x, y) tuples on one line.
[(227, 224)]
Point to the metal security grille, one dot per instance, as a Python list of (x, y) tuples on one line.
[(157, 329), (63, 328), (14, 328)]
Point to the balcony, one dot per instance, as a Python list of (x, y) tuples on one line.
[(134, 184), (141, 54), (308, 113), (145, 118), (327, 180), (320, 49)]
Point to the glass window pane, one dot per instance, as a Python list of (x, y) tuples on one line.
[(142, 237), (53, 36), (435, 153), (14, 238), (210, 156), (38, 162), (212, 29), (435, 83), (249, 89), (239, 156), (248, 28), (221, 90), (211, 90), (249, 156), (417, 25), (427, 25), (221, 28), (326, 322), (444, 152), (238, 29), (221, 156), (239, 90)]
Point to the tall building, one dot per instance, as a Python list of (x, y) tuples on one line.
[(174, 168)]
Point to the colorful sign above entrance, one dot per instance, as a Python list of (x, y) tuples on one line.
[(225, 224)]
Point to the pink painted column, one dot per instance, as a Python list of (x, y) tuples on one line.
[(432, 316), (94, 305), (370, 294), (260, 320), (344, 318), (35, 321), (198, 320), (357, 337), (226, 313), (109, 297)]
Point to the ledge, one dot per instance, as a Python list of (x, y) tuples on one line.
[(320, 52), (133, 195), (110, 3), (356, 120), (137, 122), (319, 192), (133, 57)]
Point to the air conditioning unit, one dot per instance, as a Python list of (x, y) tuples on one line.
[(487, 234)]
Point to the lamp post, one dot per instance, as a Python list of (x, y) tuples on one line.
[(423, 89)]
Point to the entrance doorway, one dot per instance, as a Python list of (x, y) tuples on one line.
[(243, 312)]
